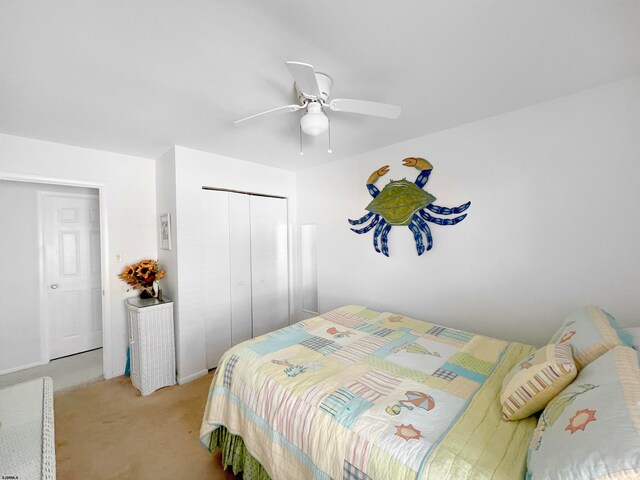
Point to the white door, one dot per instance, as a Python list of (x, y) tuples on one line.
[(73, 296), (269, 264), (246, 263), (240, 263), (216, 275)]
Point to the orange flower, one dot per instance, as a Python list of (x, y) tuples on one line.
[(141, 274)]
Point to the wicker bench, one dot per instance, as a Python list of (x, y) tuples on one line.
[(27, 445)]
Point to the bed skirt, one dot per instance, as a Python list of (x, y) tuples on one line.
[(236, 455)]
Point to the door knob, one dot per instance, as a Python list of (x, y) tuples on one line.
[(54, 286)]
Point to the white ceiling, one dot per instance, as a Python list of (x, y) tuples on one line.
[(137, 77)]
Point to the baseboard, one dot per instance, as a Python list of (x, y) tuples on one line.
[(193, 376), (23, 367)]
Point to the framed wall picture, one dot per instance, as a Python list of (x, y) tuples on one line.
[(165, 231)]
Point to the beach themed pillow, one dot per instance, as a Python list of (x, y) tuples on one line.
[(635, 336), (533, 382), (591, 332), (591, 430)]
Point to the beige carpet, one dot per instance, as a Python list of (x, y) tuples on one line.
[(107, 430)]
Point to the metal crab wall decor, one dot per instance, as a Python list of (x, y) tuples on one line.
[(404, 203)]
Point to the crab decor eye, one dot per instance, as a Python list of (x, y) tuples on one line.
[(404, 203)]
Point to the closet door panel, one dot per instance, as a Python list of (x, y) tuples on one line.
[(216, 275), (269, 264), (240, 267)]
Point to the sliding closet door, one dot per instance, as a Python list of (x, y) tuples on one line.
[(269, 264), (240, 266), (216, 275), (245, 268)]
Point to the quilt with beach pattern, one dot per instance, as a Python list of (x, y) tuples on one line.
[(360, 394)]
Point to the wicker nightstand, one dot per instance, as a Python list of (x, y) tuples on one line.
[(153, 357)]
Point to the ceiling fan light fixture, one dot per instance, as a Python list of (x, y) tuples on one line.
[(314, 122), (313, 92)]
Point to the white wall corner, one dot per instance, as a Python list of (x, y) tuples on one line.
[(192, 377)]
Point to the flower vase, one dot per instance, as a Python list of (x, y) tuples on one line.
[(147, 291)]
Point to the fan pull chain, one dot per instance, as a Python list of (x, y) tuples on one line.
[(301, 151), (329, 151)]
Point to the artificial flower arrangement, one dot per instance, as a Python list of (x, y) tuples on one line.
[(141, 275)]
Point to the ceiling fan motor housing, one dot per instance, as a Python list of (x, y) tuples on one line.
[(324, 83)]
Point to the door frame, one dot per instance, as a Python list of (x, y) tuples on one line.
[(104, 262)]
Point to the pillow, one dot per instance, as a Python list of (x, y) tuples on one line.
[(592, 429), (532, 383), (635, 336), (591, 332)]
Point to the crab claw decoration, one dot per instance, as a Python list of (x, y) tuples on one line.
[(373, 178), (419, 163), (404, 203)]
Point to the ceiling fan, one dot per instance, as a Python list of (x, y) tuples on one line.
[(312, 91)]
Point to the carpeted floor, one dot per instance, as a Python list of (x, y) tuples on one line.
[(107, 430)]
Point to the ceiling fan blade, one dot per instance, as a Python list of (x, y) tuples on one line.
[(305, 76), (272, 112), (365, 108)]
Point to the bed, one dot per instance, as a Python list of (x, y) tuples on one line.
[(361, 394)]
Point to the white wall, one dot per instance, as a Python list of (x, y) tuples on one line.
[(20, 331), (166, 203), (554, 221), (168, 259), (127, 186), (194, 169)]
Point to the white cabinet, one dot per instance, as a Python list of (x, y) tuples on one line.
[(246, 269), (152, 347)]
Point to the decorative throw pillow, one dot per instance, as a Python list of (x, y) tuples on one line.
[(592, 429), (591, 332), (532, 383)]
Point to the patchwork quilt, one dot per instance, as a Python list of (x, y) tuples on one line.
[(360, 394)]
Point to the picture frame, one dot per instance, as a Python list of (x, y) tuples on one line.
[(165, 231)]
